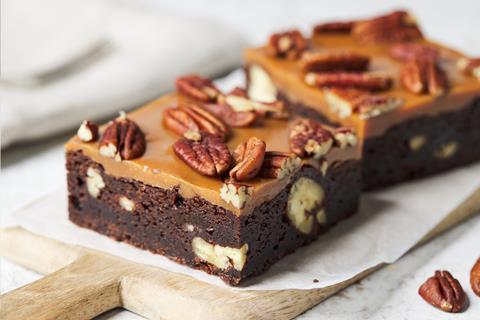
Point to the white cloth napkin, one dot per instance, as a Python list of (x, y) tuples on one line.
[(65, 61)]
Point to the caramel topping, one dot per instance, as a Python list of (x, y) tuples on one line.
[(160, 167), (288, 77)]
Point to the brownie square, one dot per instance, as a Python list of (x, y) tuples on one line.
[(414, 104), (159, 201)]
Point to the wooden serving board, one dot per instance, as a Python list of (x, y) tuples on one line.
[(81, 283)]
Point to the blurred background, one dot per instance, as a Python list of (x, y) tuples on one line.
[(63, 61)]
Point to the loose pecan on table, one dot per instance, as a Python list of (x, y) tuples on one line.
[(249, 159), (197, 88), (346, 102), (475, 277), (287, 45), (209, 156), (424, 76), (308, 138), (366, 81), (397, 26), (413, 51), (191, 117), (443, 291), (122, 139), (278, 165), (334, 61)]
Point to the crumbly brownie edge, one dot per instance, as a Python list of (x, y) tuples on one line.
[(416, 148), (164, 222)]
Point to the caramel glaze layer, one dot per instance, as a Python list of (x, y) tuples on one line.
[(160, 167), (289, 79)]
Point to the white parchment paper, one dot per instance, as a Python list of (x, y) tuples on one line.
[(388, 224)]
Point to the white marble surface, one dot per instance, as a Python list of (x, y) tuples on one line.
[(31, 170)]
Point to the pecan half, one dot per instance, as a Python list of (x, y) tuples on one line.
[(413, 51), (197, 88), (334, 61), (397, 26), (367, 81), (334, 27), (122, 139), (287, 45), (249, 157), (88, 131), (278, 165), (189, 116), (309, 138), (236, 193), (423, 76), (209, 156), (345, 102), (443, 291), (475, 277), (470, 67)]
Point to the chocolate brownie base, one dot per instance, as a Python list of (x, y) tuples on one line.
[(164, 222), (415, 148)]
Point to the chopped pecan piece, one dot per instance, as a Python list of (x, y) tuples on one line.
[(122, 139), (197, 88), (413, 51), (334, 27), (278, 165), (88, 131), (209, 156), (397, 26), (192, 117), (344, 137), (249, 157), (443, 291), (236, 193), (366, 81), (475, 277), (287, 45), (470, 66), (334, 61), (345, 102), (309, 138), (423, 76)]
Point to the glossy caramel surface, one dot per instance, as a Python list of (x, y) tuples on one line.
[(160, 167), (288, 77)]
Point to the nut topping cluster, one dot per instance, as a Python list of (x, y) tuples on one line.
[(122, 140), (278, 165), (397, 26), (287, 45), (443, 291), (424, 76)]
